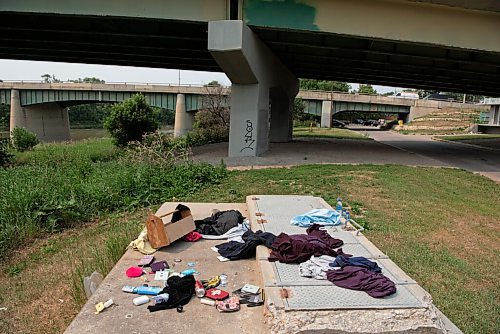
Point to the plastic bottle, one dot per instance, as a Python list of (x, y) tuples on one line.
[(199, 289), (338, 207)]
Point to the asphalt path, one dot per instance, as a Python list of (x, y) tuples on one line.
[(472, 158)]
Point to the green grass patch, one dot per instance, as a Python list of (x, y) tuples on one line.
[(431, 132), (468, 137), (328, 133), (56, 186)]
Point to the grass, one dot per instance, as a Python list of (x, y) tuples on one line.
[(439, 225), (328, 133), (432, 132), (468, 137), (57, 186)]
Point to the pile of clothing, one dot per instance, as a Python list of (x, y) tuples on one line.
[(355, 273)]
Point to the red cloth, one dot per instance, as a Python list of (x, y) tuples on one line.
[(134, 272), (192, 237)]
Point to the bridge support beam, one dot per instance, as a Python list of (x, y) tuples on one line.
[(326, 114), (262, 91), (49, 121), (494, 115), (184, 121)]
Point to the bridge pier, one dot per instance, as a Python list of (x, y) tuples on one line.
[(326, 114), (49, 121), (184, 121), (262, 91)]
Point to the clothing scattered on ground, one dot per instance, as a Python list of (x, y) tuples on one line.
[(299, 248), (219, 223), (234, 234), (243, 250), (180, 291), (192, 236), (358, 261), (358, 278), (316, 267), (317, 216), (142, 244)]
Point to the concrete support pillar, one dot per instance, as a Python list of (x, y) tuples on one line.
[(494, 115), (258, 79), (184, 121), (49, 121), (17, 114), (281, 126), (326, 114)]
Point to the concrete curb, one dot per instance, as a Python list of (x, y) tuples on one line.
[(466, 144)]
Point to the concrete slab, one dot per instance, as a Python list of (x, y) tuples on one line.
[(303, 305), (124, 317)]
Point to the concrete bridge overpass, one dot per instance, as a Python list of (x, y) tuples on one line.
[(41, 107), (263, 46)]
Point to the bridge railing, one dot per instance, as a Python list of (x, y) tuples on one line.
[(169, 84)]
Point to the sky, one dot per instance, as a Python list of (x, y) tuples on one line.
[(33, 70)]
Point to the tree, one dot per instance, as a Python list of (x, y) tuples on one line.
[(366, 89), (47, 78), (130, 120), (300, 117), (213, 83), (215, 102), (89, 80), (325, 85)]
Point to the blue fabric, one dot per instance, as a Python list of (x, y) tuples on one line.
[(359, 261), (317, 216)]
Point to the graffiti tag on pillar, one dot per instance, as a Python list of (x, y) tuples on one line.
[(248, 138)]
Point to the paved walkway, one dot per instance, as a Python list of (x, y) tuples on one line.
[(475, 159)]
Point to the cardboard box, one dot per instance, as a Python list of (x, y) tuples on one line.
[(162, 231)]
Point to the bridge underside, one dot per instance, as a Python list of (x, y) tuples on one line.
[(308, 54)]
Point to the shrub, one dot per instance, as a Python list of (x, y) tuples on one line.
[(5, 155), (23, 140), (130, 120), (159, 149)]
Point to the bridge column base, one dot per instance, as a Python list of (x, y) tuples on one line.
[(49, 121), (184, 121), (259, 79)]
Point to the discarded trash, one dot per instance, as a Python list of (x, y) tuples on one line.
[(3, 309), (161, 234), (222, 258), (142, 290), (134, 272), (189, 272), (249, 288), (223, 280), (211, 283), (177, 260), (160, 265), (199, 289), (251, 299), (162, 275), (216, 294), (146, 260), (229, 305), (129, 316), (192, 236), (140, 300), (162, 298), (90, 283), (191, 264), (207, 301), (99, 307)]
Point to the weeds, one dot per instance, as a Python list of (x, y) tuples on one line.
[(59, 186)]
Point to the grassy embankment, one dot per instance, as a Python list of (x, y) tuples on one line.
[(328, 133), (439, 225)]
